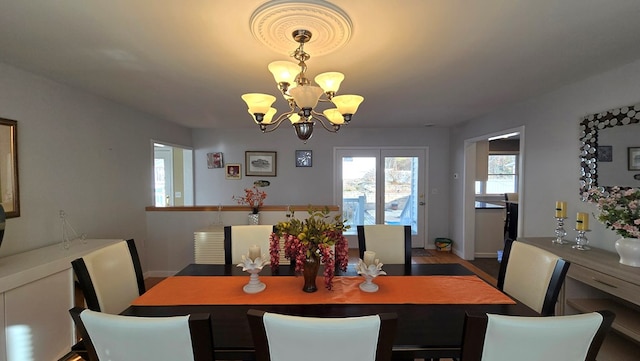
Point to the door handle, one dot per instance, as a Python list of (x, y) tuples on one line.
[(422, 203)]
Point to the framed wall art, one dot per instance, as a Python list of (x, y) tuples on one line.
[(304, 158), (214, 160), (634, 158), (233, 171), (9, 168), (262, 164)]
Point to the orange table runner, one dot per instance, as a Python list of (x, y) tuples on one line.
[(282, 290)]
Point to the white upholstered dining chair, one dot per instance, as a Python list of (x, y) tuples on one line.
[(130, 338), (532, 275), (110, 277), (278, 337), (238, 239), (392, 243), (489, 337)]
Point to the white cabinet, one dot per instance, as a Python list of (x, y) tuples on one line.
[(597, 281), (36, 293)]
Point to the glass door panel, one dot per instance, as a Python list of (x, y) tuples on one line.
[(382, 186), (359, 178), (401, 191)]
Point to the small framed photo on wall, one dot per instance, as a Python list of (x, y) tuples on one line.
[(304, 158), (634, 158), (214, 160), (233, 171)]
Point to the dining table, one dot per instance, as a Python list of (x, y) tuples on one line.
[(430, 300)]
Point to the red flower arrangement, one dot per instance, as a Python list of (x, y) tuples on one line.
[(253, 197), (317, 236)]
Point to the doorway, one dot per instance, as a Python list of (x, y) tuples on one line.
[(493, 181), (172, 175)]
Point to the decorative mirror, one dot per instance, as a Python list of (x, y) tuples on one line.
[(605, 149), (9, 167)]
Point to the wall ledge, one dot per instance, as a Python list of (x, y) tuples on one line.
[(234, 208)]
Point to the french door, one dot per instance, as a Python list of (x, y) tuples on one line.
[(382, 186)]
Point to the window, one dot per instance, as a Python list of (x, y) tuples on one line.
[(502, 174)]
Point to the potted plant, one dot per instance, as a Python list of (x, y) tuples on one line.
[(620, 211), (317, 239), (254, 198)]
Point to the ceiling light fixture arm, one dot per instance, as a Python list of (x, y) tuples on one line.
[(321, 118)]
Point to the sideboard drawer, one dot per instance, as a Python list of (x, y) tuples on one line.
[(615, 286)]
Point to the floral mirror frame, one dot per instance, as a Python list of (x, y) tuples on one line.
[(589, 128)]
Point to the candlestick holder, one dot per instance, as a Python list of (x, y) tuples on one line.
[(369, 273), (253, 267), (560, 232), (581, 240)]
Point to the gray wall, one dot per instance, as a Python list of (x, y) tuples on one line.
[(314, 185), (551, 165), (82, 154)]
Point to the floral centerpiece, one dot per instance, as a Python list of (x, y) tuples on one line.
[(619, 209), (319, 238), (253, 197)]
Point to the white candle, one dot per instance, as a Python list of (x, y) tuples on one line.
[(254, 252), (369, 256)]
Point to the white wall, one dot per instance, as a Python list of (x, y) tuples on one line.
[(82, 154), (551, 162)]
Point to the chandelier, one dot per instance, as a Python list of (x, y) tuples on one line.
[(302, 96)]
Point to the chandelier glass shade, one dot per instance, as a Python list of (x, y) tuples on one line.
[(303, 97)]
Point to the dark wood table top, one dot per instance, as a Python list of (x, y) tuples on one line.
[(424, 331)]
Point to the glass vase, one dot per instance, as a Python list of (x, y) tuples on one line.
[(310, 274), (254, 219)]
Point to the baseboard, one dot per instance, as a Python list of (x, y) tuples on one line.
[(486, 255)]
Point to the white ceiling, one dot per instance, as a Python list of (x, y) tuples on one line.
[(416, 62)]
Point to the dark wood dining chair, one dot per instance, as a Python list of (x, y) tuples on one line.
[(111, 277), (532, 275), (489, 337), (392, 243), (129, 338), (292, 338)]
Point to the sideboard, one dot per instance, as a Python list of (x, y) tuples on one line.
[(596, 281), (36, 293)]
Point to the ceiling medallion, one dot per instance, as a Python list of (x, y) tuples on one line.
[(274, 22)]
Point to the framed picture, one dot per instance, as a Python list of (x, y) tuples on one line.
[(10, 199), (214, 160), (634, 158), (260, 163), (304, 158), (605, 153), (233, 171)]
